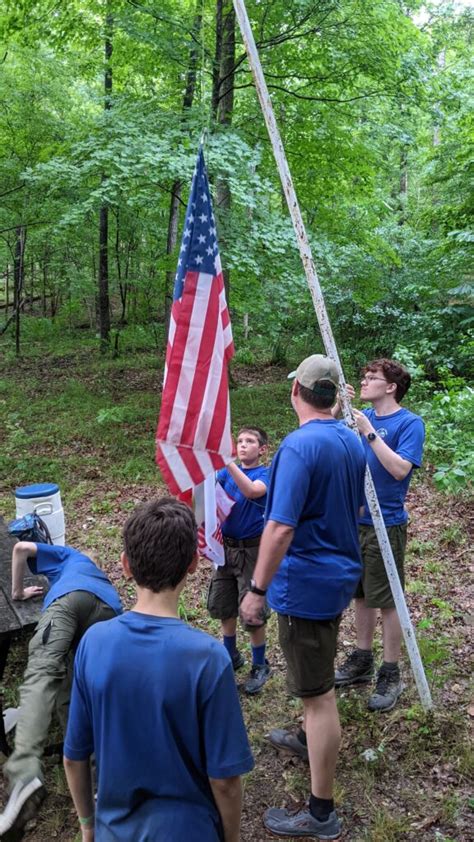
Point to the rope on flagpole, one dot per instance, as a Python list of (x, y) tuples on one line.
[(330, 346)]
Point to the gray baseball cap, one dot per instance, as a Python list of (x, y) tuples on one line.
[(316, 368)]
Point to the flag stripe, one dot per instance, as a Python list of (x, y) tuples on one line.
[(193, 437)]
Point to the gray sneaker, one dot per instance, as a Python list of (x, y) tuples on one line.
[(259, 674), (25, 798), (387, 690), (356, 669), (287, 741), (284, 823)]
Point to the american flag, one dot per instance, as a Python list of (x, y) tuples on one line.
[(193, 438)]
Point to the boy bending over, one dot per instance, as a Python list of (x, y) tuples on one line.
[(80, 595), (156, 701), (242, 530)]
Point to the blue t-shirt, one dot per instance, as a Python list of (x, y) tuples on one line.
[(156, 700), (317, 487), (246, 519), (403, 432), (69, 570)]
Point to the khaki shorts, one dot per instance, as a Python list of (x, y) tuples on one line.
[(309, 647), (230, 582), (374, 586)]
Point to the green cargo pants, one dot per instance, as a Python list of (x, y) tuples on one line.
[(48, 677)]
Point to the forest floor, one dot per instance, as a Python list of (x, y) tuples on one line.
[(89, 425)]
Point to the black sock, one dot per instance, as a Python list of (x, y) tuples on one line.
[(320, 808), (366, 654), (390, 666), (302, 737)]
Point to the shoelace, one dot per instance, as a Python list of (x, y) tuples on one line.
[(384, 680)]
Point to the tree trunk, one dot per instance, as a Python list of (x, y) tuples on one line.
[(32, 284), (104, 300), (223, 97), (173, 217), (45, 280), (18, 280), (7, 289)]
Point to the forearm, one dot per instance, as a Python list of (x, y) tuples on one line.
[(249, 488), (396, 466), (276, 539), (79, 779), (21, 553), (228, 797)]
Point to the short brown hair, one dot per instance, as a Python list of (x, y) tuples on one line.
[(256, 431), (394, 372), (160, 540), (322, 396)]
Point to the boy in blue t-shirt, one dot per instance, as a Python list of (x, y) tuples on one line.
[(79, 596), (242, 529), (155, 701), (393, 442)]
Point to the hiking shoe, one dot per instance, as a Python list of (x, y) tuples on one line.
[(284, 823), (357, 668), (25, 798), (287, 741), (238, 660), (387, 690), (258, 676)]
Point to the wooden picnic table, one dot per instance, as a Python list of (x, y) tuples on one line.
[(15, 615)]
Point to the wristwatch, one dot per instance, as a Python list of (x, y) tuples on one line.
[(371, 436), (253, 588)]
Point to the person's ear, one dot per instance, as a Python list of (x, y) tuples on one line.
[(126, 566), (294, 389), (262, 449), (391, 387), (193, 566)]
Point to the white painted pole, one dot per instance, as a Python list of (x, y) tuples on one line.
[(330, 345)]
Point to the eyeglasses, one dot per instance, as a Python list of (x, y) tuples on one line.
[(366, 379)]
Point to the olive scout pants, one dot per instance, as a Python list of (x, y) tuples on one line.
[(48, 677)]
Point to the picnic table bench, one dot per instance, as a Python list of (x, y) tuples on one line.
[(15, 615)]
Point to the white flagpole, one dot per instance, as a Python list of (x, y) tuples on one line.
[(330, 345)]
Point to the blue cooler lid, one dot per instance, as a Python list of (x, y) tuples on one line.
[(41, 489)]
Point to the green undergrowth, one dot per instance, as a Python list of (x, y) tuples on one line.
[(88, 423)]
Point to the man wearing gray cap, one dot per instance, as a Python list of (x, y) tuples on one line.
[(309, 559)]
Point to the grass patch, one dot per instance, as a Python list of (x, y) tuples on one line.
[(88, 424)]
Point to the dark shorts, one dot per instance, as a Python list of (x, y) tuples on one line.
[(309, 647), (230, 582), (374, 586)]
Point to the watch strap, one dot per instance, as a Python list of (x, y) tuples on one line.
[(254, 589)]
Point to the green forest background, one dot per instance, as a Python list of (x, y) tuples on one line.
[(102, 104)]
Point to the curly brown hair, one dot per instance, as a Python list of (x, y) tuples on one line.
[(394, 372)]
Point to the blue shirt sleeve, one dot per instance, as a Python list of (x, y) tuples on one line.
[(288, 488), (79, 740), (264, 475), (226, 743), (410, 443), (222, 476), (49, 559)]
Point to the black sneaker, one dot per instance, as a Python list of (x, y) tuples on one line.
[(258, 676), (238, 660), (357, 668), (22, 806), (387, 690), (288, 742)]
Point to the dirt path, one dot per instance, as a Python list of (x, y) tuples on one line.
[(417, 789)]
